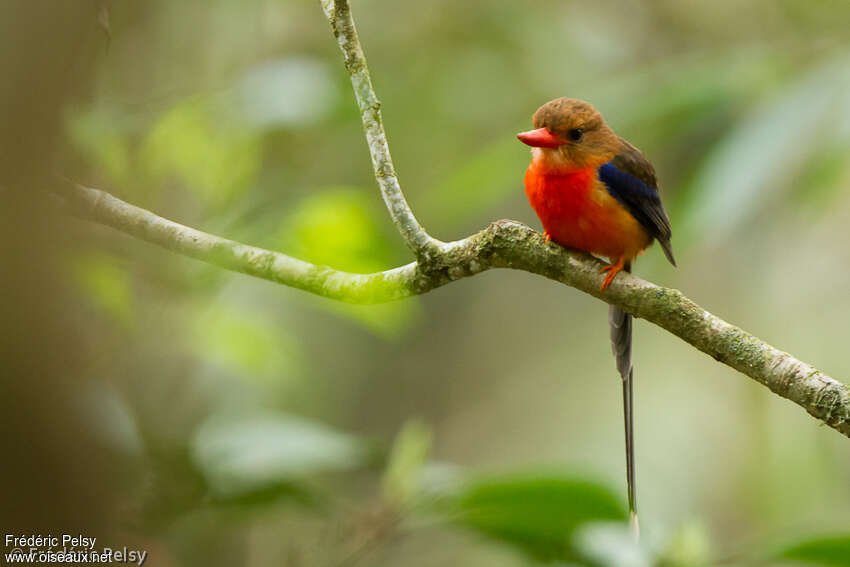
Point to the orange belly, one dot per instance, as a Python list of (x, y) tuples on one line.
[(577, 211)]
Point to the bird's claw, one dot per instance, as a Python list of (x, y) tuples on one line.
[(612, 270)]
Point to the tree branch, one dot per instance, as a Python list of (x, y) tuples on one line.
[(504, 244), (339, 15)]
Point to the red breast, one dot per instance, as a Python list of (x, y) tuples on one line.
[(577, 211)]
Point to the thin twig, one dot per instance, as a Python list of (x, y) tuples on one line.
[(338, 13)]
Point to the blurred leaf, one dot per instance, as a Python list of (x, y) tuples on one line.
[(110, 418), (688, 547), (676, 92), (830, 551), (439, 481), (100, 134), (337, 227), (244, 457), (295, 91), (486, 178), (214, 158), (389, 321), (107, 284), (289, 490), (406, 461), (823, 178), (610, 545), (342, 228), (761, 156), (539, 513), (245, 342)]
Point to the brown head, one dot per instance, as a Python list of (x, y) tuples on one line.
[(572, 134)]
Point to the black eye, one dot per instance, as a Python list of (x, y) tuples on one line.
[(575, 134)]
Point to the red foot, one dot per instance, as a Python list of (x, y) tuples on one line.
[(612, 270), (547, 237)]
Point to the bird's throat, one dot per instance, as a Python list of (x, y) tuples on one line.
[(552, 161)]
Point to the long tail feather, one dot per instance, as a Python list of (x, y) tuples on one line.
[(620, 323)]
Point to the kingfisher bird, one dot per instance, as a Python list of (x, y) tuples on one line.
[(594, 191)]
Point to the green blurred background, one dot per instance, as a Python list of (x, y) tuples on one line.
[(214, 419)]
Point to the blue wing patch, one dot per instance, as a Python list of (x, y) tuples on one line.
[(641, 200), (625, 187)]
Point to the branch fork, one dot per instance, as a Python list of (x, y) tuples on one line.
[(504, 244)]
